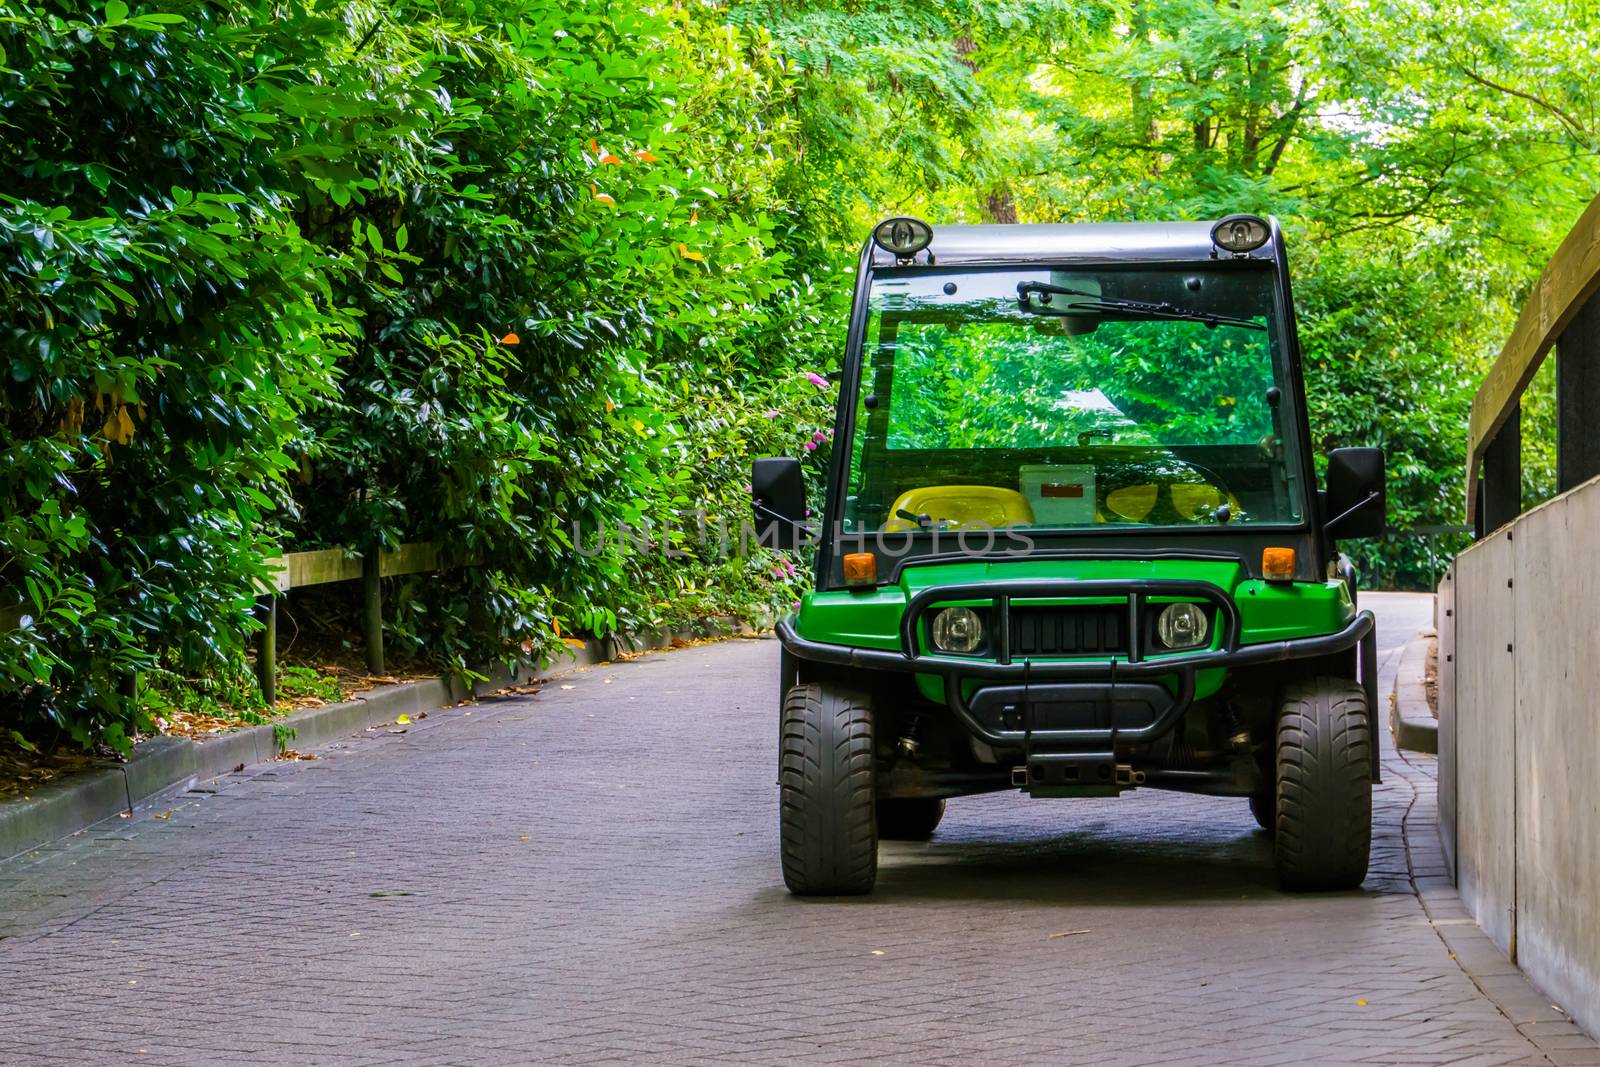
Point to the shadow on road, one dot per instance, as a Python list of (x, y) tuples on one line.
[(1153, 854)]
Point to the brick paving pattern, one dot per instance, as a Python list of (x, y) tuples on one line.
[(590, 875)]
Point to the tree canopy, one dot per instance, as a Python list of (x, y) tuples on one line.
[(309, 273)]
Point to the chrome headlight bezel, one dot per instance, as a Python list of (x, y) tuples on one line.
[(1183, 626), (957, 631)]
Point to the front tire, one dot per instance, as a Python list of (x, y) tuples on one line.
[(1324, 786), (827, 827), (909, 818)]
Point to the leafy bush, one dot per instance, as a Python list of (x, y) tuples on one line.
[(301, 274), (168, 325)]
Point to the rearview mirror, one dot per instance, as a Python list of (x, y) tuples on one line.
[(779, 494), (1356, 506)]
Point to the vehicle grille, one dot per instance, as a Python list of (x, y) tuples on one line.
[(1069, 630)]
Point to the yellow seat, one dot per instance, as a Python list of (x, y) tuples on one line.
[(1191, 501), (965, 506)]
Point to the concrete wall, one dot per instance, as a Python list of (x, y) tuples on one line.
[(1520, 742), (1444, 623)]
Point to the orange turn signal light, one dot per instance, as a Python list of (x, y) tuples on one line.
[(1277, 564), (860, 568)]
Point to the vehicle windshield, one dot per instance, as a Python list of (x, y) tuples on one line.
[(1039, 398)]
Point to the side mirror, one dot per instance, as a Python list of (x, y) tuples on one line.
[(779, 494), (1356, 505)]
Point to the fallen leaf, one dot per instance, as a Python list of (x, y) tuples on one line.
[(422, 715), (1067, 933), (524, 837), (402, 720), (569, 687), (165, 815), (877, 952), (390, 893), (238, 767), (1361, 1003)]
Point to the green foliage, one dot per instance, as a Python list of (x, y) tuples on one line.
[(1424, 158), (282, 734), (167, 326), (289, 275), (357, 274)]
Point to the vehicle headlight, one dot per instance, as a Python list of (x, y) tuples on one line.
[(957, 630), (1182, 626)]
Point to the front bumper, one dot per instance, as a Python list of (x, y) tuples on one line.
[(1098, 678)]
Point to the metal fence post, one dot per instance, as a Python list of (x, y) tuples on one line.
[(1578, 398), (1501, 484)]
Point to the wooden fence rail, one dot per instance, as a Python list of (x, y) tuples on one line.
[(1562, 314), (297, 570)]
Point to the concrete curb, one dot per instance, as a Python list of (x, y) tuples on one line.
[(158, 764), (1413, 725)]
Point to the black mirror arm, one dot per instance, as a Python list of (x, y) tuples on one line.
[(761, 506), (1349, 511)]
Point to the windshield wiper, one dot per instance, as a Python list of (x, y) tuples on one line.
[(1096, 303)]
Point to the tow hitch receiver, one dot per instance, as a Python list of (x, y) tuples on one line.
[(1074, 774)]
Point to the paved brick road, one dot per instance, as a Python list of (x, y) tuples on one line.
[(590, 875)]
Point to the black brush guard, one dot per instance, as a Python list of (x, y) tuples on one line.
[(1087, 753)]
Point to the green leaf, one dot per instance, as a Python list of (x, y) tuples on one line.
[(118, 291), (116, 12), (401, 238), (22, 742), (374, 238)]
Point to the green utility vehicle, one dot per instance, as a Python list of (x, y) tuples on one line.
[(1073, 544)]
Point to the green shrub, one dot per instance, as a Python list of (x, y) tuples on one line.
[(167, 326), (305, 274)]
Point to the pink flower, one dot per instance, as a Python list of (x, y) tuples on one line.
[(797, 605), (811, 446), (820, 436), (816, 379), (771, 413)]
